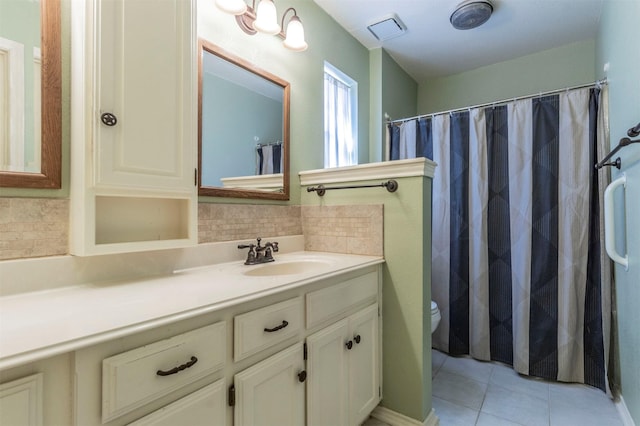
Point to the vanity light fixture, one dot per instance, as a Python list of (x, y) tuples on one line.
[(233, 7), (294, 36), (264, 19)]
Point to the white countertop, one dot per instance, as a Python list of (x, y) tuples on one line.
[(40, 324)]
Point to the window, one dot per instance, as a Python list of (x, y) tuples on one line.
[(340, 118)]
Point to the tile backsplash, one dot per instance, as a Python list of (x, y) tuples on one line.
[(33, 227), (39, 227), (228, 222), (351, 229)]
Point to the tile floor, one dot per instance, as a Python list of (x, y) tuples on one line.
[(467, 392)]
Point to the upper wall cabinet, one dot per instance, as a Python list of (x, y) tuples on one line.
[(134, 134)]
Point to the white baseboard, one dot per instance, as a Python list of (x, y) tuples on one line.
[(396, 419), (627, 420)]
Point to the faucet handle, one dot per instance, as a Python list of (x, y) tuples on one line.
[(275, 246), (259, 239), (251, 255)]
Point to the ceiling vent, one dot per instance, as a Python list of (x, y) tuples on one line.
[(388, 28)]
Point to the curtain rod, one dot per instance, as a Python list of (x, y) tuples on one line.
[(260, 145), (503, 101)]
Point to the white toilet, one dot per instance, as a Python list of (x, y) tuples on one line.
[(435, 316)]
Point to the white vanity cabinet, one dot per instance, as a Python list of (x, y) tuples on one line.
[(343, 368), (146, 381), (339, 369), (271, 392), (21, 401), (306, 351), (134, 140), (139, 376), (204, 407)]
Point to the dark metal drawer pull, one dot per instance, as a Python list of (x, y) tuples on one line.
[(178, 368), (280, 327)]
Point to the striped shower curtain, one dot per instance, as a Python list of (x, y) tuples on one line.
[(517, 266), (269, 159)]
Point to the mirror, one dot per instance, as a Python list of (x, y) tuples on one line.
[(30, 94), (243, 128)]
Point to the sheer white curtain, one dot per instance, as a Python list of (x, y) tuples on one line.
[(339, 145)]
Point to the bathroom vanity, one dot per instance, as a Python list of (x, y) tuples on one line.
[(296, 341)]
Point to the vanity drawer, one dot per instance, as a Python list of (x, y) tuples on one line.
[(137, 377), (325, 304), (264, 327)]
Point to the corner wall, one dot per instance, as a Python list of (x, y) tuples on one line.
[(393, 93)]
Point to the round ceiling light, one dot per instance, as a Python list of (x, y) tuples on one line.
[(471, 14)]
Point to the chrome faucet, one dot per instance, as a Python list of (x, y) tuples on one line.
[(259, 253)]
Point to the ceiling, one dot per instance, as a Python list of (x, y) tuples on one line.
[(431, 47)]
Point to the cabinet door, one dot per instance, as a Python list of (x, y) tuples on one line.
[(364, 364), (21, 402), (146, 79), (270, 392), (202, 408), (327, 382)]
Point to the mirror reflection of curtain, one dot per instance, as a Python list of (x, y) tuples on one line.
[(518, 268), (269, 159)]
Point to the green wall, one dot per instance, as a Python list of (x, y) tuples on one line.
[(304, 71), (617, 46), (565, 66), (399, 90), (406, 293), (393, 93), (376, 116)]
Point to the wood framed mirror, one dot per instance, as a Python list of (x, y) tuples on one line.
[(243, 128), (46, 173)]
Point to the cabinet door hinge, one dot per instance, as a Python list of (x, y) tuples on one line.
[(378, 310), (195, 177), (379, 392), (232, 395), (304, 352)]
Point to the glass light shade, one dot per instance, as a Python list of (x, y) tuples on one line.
[(234, 7), (266, 18), (295, 35)]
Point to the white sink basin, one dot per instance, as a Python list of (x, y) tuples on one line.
[(286, 268)]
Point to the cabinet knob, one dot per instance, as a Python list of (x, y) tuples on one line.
[(357, 338), (349, 344), (108, 119), (302, 376)]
